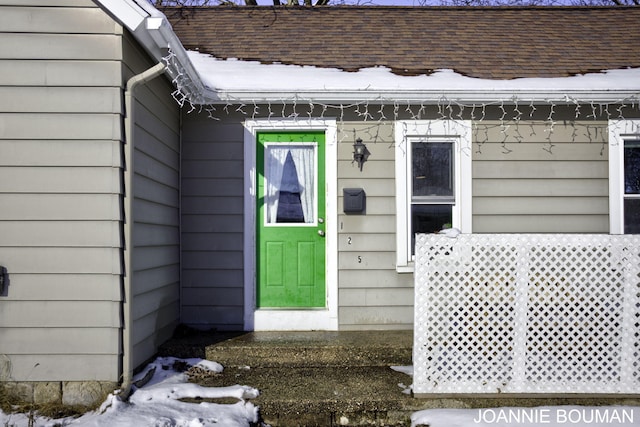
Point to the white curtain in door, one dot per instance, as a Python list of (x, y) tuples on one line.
[(304, 160), (304, 157), (274, 159)]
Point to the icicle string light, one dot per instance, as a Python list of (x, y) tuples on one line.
[(508, 113)]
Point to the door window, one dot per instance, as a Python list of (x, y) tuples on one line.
[(290, 195)]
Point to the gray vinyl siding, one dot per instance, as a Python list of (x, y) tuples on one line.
[(60, 184), (371, 294), (537, 187), (212, 222), (156, 208), (527, 189), (516, 189)]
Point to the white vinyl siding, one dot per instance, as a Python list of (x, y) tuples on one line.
[(61, 46), (85, 19), (60, 184)]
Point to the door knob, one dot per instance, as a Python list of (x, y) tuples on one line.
[(320, 220), (321, 233)]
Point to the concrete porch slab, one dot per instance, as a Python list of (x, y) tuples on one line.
[(329, 379), (313, 349)]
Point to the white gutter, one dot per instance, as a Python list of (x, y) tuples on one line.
[(129, 146), (153, 31), (569, 97), (164, 38)]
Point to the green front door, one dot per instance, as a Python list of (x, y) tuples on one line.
[(290, 220)]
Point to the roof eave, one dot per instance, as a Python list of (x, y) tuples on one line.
[(480, 97), (174, 53), (129, 13), (153, 31)]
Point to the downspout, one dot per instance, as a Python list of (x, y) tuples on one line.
[(127, 306)]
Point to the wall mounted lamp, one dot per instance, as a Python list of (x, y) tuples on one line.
[(360, 153)]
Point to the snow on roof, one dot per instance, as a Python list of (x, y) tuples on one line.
[(205, 79), (243, 80)]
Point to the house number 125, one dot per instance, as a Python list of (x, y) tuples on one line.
[(349, 241)]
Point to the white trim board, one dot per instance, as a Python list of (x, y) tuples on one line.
[(619, 130), (291, 319), (457, 132)]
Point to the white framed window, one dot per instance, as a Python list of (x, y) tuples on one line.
[(433, 181), (624, 176), (289, 175)]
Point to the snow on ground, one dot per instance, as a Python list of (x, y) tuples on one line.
[(157, 404), (406, 389)]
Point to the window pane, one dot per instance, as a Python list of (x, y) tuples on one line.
[(632, 216), (428, 219), (632, 167), (290, 188), (432, 169)]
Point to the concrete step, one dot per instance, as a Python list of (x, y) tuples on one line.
[(325, 396), (310, 379), (321, 378), (187, 342), (314, 349)]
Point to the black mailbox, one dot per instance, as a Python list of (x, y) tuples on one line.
[(354, 200), (4, 279)]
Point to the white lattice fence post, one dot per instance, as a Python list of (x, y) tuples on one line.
[(420, 358), (521, 317), (629, 262)]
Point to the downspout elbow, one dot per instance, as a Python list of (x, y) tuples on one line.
[(129, 146)]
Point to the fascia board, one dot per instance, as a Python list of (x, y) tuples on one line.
[(559, 96), (129, 13), (156, 36), (164, 38)]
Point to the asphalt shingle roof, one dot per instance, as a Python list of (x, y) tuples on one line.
[(493, 43)]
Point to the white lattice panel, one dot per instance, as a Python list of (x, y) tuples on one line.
[(527, 314)]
